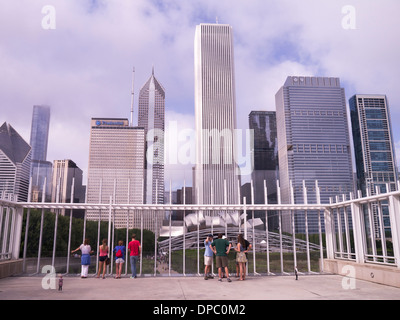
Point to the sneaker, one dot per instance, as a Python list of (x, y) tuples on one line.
[(220, 279), (205, 278), (229, 280)]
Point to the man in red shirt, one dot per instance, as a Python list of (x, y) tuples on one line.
[(134, 248)]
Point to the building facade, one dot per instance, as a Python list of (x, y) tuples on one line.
[(313, 143), (40, 132), (374, 151), (41, 169), (265, 169), (373, 143), (216, 177), (15, 162), (265, 154), (116, 169), (66, 183), (151, 116)]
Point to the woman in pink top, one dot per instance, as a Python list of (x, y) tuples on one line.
[(103, 255)]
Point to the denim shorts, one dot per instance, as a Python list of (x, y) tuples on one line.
[(119, 260)]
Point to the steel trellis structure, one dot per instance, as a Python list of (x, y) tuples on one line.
[(360, 229)]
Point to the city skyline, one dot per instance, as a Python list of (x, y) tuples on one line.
[(81, 69)]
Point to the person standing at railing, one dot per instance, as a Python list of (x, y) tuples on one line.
[(208, 257), (134, 249), (220, 249), (119, 254), (103, 255), (86, 250), (241, 257)]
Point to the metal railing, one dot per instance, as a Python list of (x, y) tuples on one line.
[(362, 229)]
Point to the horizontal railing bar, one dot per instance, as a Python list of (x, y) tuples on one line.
[(195, 207)]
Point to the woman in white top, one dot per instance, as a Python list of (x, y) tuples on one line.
[(85, 257)]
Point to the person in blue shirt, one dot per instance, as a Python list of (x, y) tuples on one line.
[(119, 255), (208, 257)]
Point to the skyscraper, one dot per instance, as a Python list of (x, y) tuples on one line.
[(313, 141), (373, 142), (15, 161), (67, 181), (152, 118), (40, 132), (116, 167), (216, 173), (265, 153), (41, 169)]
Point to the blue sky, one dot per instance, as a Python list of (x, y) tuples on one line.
[(83, 67)]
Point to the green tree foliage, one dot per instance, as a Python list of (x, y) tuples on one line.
[(77, 227)]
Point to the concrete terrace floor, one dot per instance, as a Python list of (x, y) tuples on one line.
[(178, 288)]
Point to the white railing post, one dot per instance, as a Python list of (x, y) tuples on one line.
[(394, 210), (358, 230), (329, 233)]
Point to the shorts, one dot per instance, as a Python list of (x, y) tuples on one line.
[(221, 261), (208, 261), (102, 258), (119, 260)]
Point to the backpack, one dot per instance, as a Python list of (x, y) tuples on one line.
[(119, 253)]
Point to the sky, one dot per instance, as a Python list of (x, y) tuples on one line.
[(77, 56)]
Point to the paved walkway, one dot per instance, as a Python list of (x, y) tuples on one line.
[(308, 287)]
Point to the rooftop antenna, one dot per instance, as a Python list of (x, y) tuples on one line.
[(133, 80)]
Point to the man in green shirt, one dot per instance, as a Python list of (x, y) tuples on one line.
[(219, 247)]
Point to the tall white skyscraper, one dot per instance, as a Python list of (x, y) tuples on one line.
[(152, 118), (216, 175)]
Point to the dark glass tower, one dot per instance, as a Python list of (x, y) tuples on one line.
[(373, 143), (265, 161), (41, 169), (265, 154), (40, 132)]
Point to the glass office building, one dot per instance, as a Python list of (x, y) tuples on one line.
[(374, 152), (313, 142), (373, 143), (265, 154), (41, 169), (265, 161), (40, 132)]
